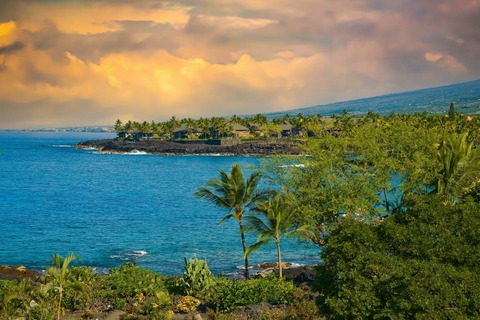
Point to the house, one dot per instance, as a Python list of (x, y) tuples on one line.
[(185, 131), (286, 129), (239, 131)]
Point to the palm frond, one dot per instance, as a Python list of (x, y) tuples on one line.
[(210, 196), (226, 218), (255, 247), (255, 224)]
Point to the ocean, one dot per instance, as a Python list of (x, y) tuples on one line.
[(114, 208)]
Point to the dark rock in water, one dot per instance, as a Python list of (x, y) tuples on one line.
[(300, 275)]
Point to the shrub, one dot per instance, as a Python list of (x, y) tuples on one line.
[(188, 304), (137, 290), (197, 278), (230, 295), (421, 263), (130, 280)]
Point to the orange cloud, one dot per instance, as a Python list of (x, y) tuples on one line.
[(95, 61), (93, 17)]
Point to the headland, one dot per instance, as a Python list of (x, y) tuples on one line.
[(200, 147)]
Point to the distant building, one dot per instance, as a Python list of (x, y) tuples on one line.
[(286, 129), (239, 130), (185, 131)]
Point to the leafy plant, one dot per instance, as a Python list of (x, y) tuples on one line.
[(13, 300), (129, 280), (197, 278), (136, 289), (231, 294), (188, 304), (58, 279)]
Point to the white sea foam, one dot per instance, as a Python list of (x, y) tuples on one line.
[(139, 253), (130, 255), (60, 145), (135, 152)]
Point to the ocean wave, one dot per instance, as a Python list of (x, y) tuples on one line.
[(60, 145), (130, 255)]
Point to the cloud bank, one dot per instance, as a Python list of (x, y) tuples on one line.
[(91, 62)]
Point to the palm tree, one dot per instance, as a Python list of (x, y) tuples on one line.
[(58, 276), (279, 222), (118, 126), (460, 167), (232, 192)]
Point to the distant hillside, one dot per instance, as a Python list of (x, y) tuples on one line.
[(466, 97)]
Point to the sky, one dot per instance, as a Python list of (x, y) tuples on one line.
[(90, 62)]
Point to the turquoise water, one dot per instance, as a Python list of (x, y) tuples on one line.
[(115, 208)]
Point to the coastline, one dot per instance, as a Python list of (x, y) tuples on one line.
[(163, 147), (298, 274)]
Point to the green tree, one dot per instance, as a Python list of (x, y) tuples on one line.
[(417, 264), (278, 221), (118, 126), (451, 111), (332, 183), (230, 191)]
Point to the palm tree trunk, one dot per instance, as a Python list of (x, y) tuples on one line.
[(244, 245), (59, 302), (279, 255), (387, 205)]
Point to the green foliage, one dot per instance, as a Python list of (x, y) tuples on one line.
[(58, 279), (451, 111), (188, 304), (418, 264), (460, 167), (230, 191), (156, 307), (130, 286), (79, 294), (231, 294), (13, 300), (41, 313), (129, 280), (278, 221), (197, 278)]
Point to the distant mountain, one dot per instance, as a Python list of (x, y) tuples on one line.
[(466, 97)]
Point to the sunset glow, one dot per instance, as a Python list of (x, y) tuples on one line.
[(66, 63)]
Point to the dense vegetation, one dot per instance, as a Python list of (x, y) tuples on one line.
[(144, 294), (392, 202)]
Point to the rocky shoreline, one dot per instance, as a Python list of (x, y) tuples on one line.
[(163, 147)]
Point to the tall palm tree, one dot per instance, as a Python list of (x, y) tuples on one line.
[(460, 167), (232, 192), (278, 222)]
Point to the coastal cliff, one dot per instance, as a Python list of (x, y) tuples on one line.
[(163, 147)]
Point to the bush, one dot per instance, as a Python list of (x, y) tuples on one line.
[(188, 304), (230, 295), (130, 280), (136, 289), (422, 263), (197, 278)]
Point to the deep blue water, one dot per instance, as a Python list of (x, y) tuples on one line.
[(114, 208)]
